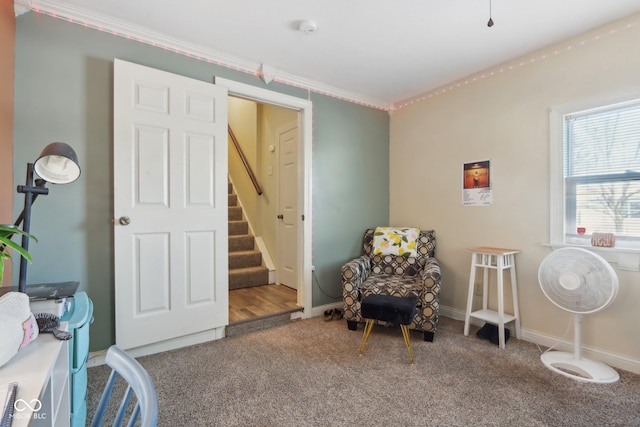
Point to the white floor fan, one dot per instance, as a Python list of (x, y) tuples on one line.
[(581, 282)]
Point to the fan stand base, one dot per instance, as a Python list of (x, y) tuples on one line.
[(585, 370)]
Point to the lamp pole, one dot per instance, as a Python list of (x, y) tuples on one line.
[(30, 193)]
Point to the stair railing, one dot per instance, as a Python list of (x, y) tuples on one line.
[(247, 167)]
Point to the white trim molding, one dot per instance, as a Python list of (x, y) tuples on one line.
[(144, 35), (96, 358), (615, 360), (534, 337), (627, 258), (305, 121), (20, 7)]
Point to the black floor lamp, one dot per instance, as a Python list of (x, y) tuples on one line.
[(57, 164)]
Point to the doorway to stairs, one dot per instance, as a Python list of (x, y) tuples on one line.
[(269, 213)]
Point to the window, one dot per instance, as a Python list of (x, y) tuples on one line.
[(602, 170), (599, 186)]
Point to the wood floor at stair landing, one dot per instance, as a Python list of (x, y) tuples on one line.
[(261, 301)]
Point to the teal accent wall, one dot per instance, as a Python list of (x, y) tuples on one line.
[(64, 92), (350, 187)]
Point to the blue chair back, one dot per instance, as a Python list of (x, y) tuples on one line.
[(139, 386)]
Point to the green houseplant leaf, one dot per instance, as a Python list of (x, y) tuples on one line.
[(7, 232)]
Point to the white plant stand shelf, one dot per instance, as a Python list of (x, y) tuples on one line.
[(501, 260)]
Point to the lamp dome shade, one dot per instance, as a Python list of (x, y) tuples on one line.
[(58, 164)]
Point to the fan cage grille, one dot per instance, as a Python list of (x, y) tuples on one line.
[(596, 279)]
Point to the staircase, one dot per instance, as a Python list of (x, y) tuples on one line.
[(245, 262)]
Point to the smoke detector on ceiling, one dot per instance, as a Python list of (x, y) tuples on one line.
[(308, 27)]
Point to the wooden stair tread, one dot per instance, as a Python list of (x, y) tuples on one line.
[(242, 270), (248, 251)]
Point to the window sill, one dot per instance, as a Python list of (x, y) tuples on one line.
[(625, 258)]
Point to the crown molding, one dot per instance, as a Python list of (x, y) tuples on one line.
[(140, 34), (21, 7), (342, 94)]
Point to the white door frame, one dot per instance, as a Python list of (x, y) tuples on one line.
[(305, 110)]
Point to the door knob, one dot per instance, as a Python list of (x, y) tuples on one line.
[(280, 216), (124, 220)]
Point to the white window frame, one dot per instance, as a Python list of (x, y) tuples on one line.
[(625, 258)]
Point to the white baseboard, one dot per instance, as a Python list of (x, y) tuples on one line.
[(266, 258), (319, 310), (612, 359), (97, 358)]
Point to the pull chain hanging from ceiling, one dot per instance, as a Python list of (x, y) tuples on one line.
[(490, 23)]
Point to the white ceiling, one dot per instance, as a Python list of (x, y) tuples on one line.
[(376, 51)]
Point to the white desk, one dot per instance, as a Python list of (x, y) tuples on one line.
[(42, 372)]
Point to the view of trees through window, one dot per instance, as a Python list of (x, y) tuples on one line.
[(602, 170)]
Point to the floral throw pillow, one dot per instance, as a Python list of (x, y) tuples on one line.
[(397, 241)]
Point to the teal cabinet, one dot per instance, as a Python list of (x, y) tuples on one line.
[(79, 318)]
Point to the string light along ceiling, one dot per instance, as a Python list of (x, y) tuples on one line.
[(397, 105), (518, 64)]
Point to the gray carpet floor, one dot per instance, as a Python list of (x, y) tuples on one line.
[(310, 373)]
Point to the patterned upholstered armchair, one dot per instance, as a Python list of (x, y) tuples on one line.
[(395, 275)]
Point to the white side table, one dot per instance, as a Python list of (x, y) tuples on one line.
[(500, 260)]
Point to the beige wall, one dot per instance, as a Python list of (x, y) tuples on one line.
[(270, 120), (256, 127), (7, 43), (243, 122), (505, 117)]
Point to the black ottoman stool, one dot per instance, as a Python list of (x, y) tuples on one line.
[(389, 308)]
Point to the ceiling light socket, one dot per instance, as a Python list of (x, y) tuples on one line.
[(308, 27)]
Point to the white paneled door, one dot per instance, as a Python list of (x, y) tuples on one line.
[(170, 205), (289, 218)]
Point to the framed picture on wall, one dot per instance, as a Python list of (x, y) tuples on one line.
[(476, 183)]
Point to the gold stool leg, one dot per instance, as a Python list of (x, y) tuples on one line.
[(367, 330), (407, 341)]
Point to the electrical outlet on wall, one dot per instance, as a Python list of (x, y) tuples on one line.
[(477, 288)]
